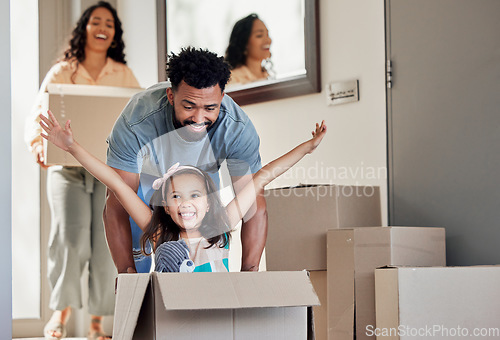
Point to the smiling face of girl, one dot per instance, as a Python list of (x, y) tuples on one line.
[(100, 30), (187, 203), (259, 43)]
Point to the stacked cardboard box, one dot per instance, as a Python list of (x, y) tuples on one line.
[(338, 228), (353, 256), (437, 302), (299, 218)]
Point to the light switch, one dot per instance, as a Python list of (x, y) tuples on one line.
[(342, 92)]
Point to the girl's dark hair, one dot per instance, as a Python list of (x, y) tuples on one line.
[(238, 41), (76, 49), (162, 228)]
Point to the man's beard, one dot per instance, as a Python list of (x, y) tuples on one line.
[(185, 130)]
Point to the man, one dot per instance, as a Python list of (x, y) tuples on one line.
[(195, 109)]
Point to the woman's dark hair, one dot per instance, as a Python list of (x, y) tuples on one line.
[(76, 49), (199, 68), (238, 41), (215, 226)]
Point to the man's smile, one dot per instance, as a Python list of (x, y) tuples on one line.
[(198, 127)]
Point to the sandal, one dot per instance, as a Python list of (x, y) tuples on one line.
[(54, 327), (97, 335)]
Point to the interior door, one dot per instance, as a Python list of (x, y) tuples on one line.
[(444, 122)]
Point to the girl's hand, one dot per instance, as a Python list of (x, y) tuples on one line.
[(318, 135), (62, 138)]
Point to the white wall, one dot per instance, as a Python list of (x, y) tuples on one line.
[(5, 174)]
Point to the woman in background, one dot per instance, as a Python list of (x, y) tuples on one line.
[(94, 57), (248, 51)]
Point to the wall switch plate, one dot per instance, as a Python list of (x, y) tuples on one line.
[(342, 92)]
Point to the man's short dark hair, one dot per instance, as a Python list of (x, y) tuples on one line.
[(199, 68)]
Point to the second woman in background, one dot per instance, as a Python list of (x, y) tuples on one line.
[(95, 57), (248, 51)]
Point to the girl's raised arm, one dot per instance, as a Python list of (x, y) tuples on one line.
[(239, 206), (63, 138)]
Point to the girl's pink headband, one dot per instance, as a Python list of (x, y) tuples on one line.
[(158, 183)]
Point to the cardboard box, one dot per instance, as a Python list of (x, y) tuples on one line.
[(438, 302), (248, 305), (353, 256), (93, 111), (299, 218)]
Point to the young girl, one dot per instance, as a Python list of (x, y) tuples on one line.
[(186, 203)]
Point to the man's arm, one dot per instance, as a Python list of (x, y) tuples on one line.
[(117, 226), (253, 229)]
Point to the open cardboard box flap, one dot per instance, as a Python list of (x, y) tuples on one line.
[(209, 291), (235, 290), (131, 289)]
